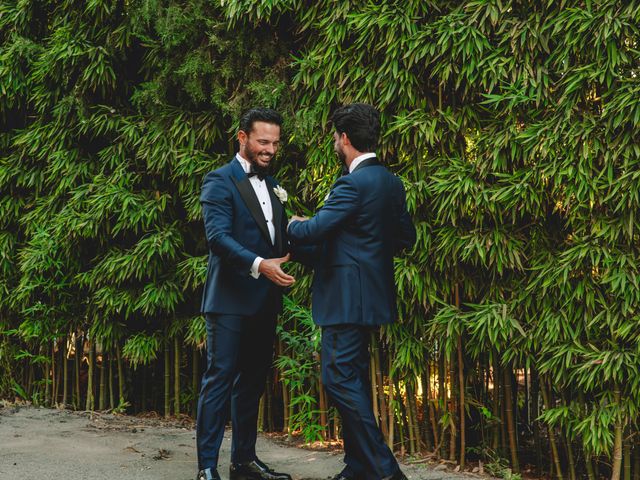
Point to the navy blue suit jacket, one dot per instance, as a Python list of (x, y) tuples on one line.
[(360, 228), (236, 234)]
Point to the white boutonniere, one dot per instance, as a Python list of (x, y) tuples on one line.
[(281, 193)]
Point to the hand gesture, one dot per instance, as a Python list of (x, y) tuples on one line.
[(271, 268)]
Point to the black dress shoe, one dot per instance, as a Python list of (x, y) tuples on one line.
[(255, 470), (347, 474), (208, 474), (396, 476)]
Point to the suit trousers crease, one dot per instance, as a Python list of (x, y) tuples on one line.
[(239, 357), (345, 375)]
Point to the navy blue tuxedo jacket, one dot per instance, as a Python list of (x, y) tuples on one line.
[(237, 233), (360, 228)]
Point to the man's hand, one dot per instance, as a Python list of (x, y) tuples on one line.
[(298, 219), (271, 268)]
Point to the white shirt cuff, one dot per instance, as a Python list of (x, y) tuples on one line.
[(254, 268)]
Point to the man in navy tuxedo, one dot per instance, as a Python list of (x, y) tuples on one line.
[(362, 225), (245, 225)]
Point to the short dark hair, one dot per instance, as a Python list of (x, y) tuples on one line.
[(266, 115), (361, 123)]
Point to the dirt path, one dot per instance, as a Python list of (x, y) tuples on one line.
[(47, 444)]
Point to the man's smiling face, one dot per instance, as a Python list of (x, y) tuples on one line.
[(260, 145)]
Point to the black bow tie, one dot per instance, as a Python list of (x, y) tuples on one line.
[(256, 174), (345, 170)]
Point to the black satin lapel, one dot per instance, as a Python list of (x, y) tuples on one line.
[(251, 201), (276, 206)]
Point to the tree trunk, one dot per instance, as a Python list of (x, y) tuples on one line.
[(511, 429)]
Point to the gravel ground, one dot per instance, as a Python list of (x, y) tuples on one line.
[(39, 443)]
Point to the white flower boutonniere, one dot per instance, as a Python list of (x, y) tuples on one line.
[(281, 193)]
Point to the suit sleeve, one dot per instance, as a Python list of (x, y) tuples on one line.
[(217, 210), (341, 204), (405, 236)]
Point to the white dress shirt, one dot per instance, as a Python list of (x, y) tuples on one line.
[(359, 159), (262, 192)]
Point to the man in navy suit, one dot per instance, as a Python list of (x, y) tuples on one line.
[(245, 225), (362, 225)]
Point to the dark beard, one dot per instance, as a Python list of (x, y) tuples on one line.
[(255, 167), (342, 157)]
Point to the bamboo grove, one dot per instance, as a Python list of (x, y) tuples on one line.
[(513, 124)]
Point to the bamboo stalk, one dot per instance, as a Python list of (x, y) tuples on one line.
[(535, 407), (461, 404), (176, 375), (511, 428), (323, 405), (374, 385), (121, 399), (391, 410), (453, 430), (442, 394), (53, 374), (112, 403), (626, 449), (195, 379), (102, 397), (496, 403), (78, 360), (90, 399), (65, 375), (552, 436), (380, 384), (616, 465), (427, 436), (167, 371)]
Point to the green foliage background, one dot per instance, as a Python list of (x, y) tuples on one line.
[(514, 126)]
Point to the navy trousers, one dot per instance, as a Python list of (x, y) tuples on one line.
[(345, 374), (239, 356)]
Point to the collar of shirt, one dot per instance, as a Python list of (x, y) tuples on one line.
[(246, 166), (359, 159)]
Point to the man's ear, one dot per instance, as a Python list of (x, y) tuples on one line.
[(345, 139), (242, 137)]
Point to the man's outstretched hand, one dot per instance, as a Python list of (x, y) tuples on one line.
[(271, 268)]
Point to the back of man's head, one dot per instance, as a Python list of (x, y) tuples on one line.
[(361, 123)]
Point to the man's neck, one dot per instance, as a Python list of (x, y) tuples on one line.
[(357, 159)]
